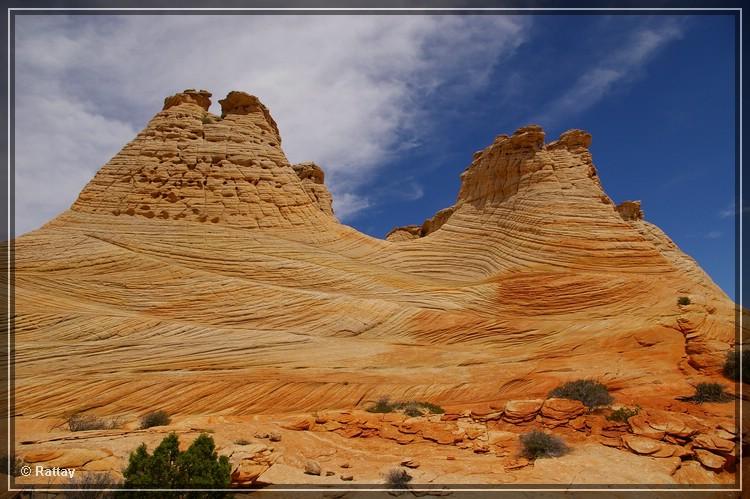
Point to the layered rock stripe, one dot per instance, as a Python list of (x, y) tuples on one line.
[(199, 272)]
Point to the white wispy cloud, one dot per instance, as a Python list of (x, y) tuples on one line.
[(412, 192), (731, 210), (714, 234), (346, 91), (346, 204), (613, 70)]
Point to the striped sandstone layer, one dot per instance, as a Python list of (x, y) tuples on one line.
[(201, 273)]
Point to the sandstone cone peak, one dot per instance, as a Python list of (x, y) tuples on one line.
[(188, 165)]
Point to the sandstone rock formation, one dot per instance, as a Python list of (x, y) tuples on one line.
[(630, 210), (312, 178), (199, 272)]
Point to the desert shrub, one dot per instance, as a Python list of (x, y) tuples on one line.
[(382, 405), (199, 467), (536, 444), (11, 464), (411, 408), (683, 300), (622, 414), (156, 418), (709, 392), (590, 392), (398, 478), (433, 408), (732, 365), (83, 422)]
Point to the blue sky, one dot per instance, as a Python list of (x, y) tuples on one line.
[(392, 107)]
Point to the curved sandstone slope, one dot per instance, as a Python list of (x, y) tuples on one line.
[(199, 272)]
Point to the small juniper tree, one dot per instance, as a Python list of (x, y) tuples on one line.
[(198, 467)]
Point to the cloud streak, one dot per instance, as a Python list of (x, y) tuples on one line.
[(347, 91), (612, 71), (732, 211)]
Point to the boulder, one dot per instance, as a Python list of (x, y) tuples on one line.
[(713, 443), (728, 426), (350, 432), (502, 438), (639, 425), (248, 472), (312, 467), (390, 432), (676, 424), (709, 459), (693, 473), (641, 445), (562, 409), (521, 411), (443, 436), (302, 424)]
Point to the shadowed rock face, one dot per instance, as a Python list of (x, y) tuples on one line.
[(200, 273), (312, 178), (630, 210)]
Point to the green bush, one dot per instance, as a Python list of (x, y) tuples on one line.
[(683, 300), (710, 392), (83, 422), (199, 467), (433, 408), (383, 405), (622, 414), (536, 444), (411, 408), (156, 418), (732, 365), (398, 478), (591, 393)]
